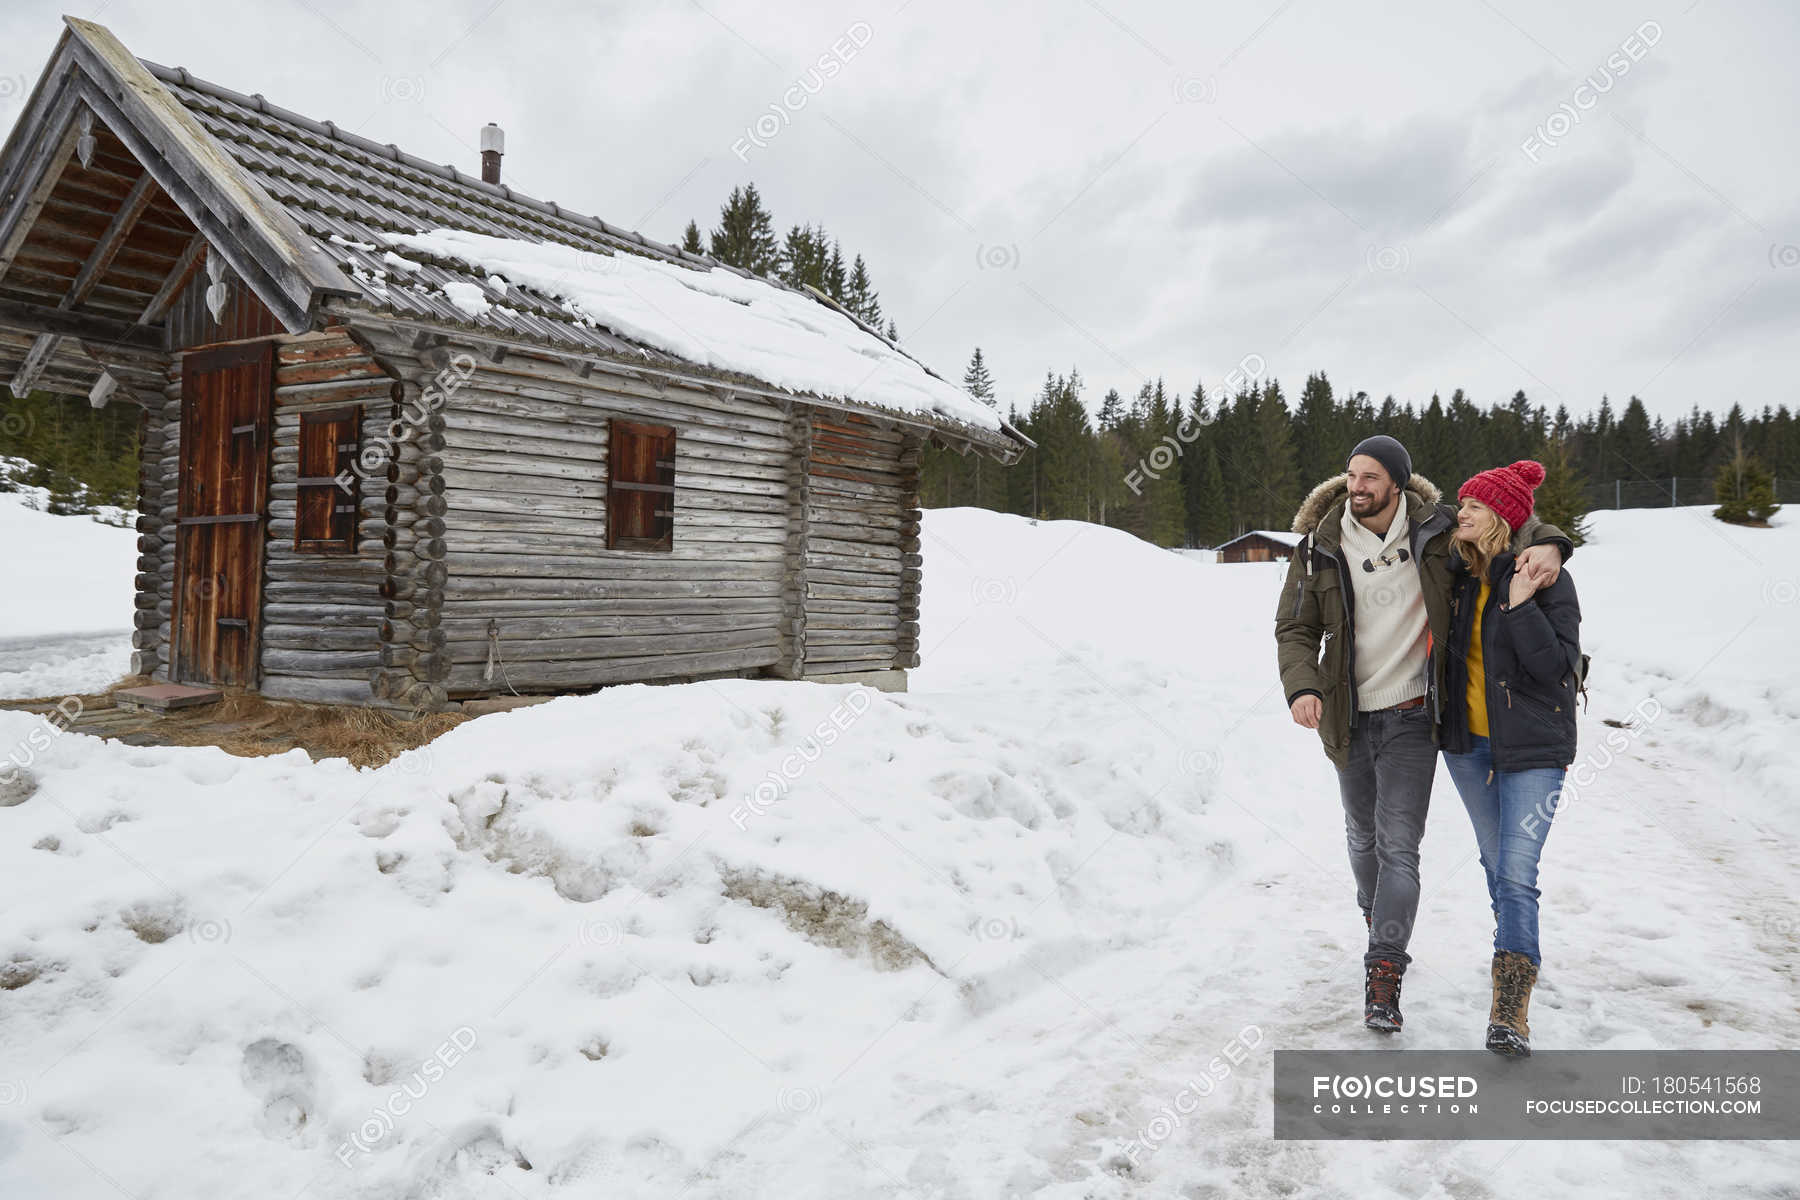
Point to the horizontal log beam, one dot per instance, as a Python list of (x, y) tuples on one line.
[(42, 318)]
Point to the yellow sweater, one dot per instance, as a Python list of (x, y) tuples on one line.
[(1478, 723)]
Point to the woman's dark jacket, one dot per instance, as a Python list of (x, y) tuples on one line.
[(1528, 660)]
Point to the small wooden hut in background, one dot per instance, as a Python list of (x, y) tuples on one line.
[(372, 478), (1259, 545)]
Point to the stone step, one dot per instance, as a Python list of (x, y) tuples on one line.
[(166, 697)]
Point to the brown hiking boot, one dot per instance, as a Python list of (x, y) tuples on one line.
[(1381, 996), (1508, 1031)]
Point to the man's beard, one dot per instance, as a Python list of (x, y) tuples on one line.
[(1366, 503)]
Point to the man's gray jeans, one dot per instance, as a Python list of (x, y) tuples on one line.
[(1386, 789)]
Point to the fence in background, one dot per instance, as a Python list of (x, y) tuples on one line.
[(1668, 493)]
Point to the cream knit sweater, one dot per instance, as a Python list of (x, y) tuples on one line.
[(1392, 646)]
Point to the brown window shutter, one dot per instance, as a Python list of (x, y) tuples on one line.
[(640, 486), (328, 487)]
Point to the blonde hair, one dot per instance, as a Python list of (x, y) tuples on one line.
[(1495, 536)]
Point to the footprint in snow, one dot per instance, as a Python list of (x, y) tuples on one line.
[(276, 1073)]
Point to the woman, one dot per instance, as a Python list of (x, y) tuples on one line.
[(1509, 726)]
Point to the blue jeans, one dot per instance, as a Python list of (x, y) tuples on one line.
[(1385, 786), (1511, 812)]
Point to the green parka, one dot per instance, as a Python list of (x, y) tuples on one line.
[(1315, 630)]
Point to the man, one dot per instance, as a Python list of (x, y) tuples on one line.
[(1369, 583)]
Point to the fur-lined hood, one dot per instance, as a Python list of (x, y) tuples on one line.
[(1420, 491)]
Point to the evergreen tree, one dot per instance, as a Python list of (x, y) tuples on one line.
[(1562, 498), (1211, 513), (978, 381), (1112, 410), (1634, 449), (745, 236), (85, 457), (1744, 489), (1435, 454), (1468, 448), (859, 295), (1318, 438), (803, 258), (834, 275), (690, 239), (1270, 467), (1064, 456), (1191, 433), (1165, 505)]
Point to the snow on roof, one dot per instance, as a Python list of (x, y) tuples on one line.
[(716, 318), (1274, 535)]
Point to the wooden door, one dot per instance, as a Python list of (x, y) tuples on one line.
[(226, 396)]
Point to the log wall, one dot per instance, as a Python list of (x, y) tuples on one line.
[(533, 601), (482, 568), (859, 547), (321, 613)]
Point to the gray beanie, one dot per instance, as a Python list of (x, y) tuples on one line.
[(1389, 453)]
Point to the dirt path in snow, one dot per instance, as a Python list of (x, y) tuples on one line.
[(1664, 926)]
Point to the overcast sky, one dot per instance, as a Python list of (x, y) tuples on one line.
[(1409, 196)]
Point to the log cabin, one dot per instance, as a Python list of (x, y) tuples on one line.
[(1259, 545), (411, 438)]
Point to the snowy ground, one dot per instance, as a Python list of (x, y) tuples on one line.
[(65, 620), (759, 938)]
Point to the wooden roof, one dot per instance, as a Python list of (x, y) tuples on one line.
[(1289, 540), (300, 210)]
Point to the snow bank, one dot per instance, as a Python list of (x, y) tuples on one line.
[(606, 937), (765, 938), (1005, 595), (1693, 619), (69, 574), (62, 666), (713, 317)]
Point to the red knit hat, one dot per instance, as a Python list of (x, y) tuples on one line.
[(1506, 490)]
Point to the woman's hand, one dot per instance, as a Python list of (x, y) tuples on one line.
[(1524, 587), (1543, 562)]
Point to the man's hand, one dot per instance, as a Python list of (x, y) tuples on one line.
[(1306, 711), (1541, 564)]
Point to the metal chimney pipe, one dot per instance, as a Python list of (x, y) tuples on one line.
[(493, 145)]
